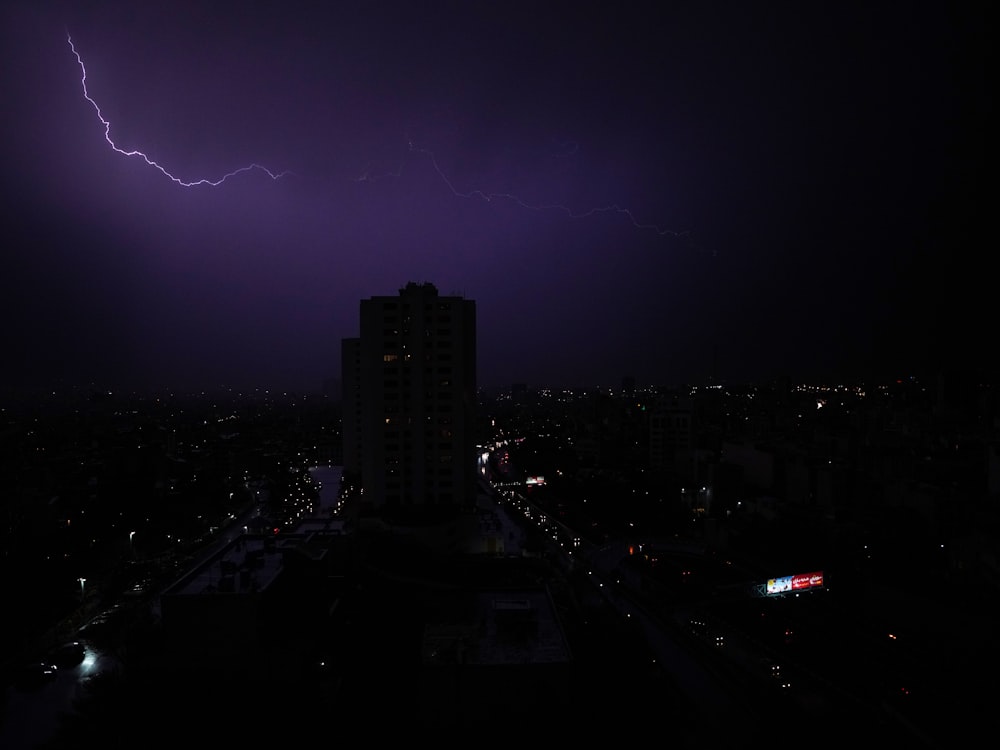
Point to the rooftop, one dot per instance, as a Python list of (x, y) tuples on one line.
[(246, 565), (497, 628)]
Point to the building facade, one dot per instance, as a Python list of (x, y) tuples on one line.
[(413, 394)]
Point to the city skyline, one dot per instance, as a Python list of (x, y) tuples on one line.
[(696, 192)]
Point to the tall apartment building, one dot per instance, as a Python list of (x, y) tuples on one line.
[(410, 390)]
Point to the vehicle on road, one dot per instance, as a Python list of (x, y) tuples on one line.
[(68, 654)]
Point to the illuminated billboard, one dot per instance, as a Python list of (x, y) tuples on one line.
[(535, 480), (800, 582), (779, 585)]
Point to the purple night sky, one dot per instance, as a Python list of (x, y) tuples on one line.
[(736, 189)]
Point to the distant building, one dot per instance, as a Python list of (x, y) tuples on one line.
[(755, 462), (410, 388), (671, 431), (350, 365)]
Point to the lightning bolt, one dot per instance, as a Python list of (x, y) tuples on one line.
[(490, 197), (566, 150), (141, 155)]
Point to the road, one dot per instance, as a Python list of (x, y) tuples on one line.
[(30, 715)]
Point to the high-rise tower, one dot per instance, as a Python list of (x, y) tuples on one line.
[(412, 394)]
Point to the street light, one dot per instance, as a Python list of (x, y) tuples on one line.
[(131, 545), (82, 581)]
